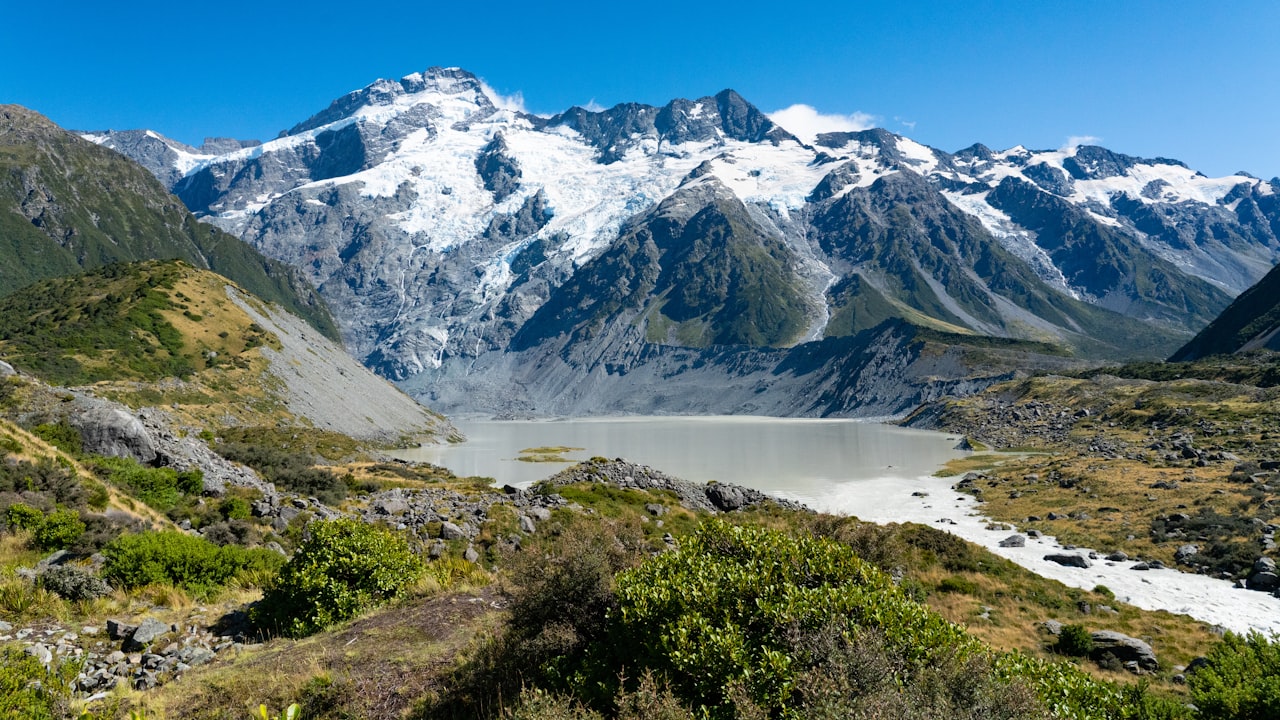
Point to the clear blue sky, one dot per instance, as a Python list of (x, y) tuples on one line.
[(1191, 80)]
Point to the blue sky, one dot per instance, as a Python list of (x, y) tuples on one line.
[(1190, 80)]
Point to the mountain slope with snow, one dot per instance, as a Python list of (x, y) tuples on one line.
[(449, 230)]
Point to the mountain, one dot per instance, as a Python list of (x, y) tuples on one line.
[(469, 245), (169, 335), (166, 158), (67, 204), (1250, 322)]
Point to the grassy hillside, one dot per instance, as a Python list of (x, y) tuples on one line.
[(1143, 466), (67, 204), (1248, 323)]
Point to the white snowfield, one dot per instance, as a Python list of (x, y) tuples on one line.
[(591, 201), (1217, 602)]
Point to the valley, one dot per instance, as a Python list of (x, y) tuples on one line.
[(230, 484)]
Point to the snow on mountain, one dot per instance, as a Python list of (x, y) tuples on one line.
[(437, 217)]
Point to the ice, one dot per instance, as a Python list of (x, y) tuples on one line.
[(1218, 602), (1014, 238), (919, 156)]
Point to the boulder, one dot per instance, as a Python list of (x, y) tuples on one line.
[(40, 652), (1125, 649), (116, 433), (449, 531), (146, 633), (726, 497), (6, 369), (1264, 581), (117, 630), (526, 525), (1014, 540), (1068, 559)]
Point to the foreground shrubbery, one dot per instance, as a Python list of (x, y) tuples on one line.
[(161, 488), (31, 691), (189, 562), (745, 622), (342, 569), (1241, 679)]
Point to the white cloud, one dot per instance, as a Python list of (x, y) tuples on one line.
[(513, 102), (1076, 141), (806, 123), (908, 124), (593, 106)]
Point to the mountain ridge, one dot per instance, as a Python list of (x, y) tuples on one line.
[(67, 204), (448, 226)]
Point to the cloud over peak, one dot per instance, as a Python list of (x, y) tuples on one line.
[(806, 123)]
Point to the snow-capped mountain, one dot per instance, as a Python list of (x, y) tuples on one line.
[(456, 237)]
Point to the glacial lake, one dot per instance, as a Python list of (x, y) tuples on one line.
[(814, 461), (878, 473)]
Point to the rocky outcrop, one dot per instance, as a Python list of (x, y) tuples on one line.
[(1068, 559), (711, 497), (114, 432), (1134, 654)]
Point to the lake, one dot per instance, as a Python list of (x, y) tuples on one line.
[(877, 472), (813, 461)]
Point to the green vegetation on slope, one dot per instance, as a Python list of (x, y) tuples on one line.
[(67, 204), (104, 325)]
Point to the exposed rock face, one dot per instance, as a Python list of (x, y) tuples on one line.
[(479, 255), (1014, 541), (712, 497), (114, 432), (1068, 559), (1125, 649)]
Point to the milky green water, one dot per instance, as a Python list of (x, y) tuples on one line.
[(798, 458)]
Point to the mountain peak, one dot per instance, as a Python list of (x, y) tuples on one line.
[(433, 85)]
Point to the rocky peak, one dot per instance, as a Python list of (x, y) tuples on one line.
[(431, 86)]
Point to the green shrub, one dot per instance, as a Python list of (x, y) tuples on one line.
[(187, 561), (21, 516), (1241, 679), (60, 435), (73, 583), (234, 508), (30, 691), (957, 584), (1074, 641), (342, 569), (292, 471), (160, 488), (59, 529), (715, 613), (44, 477)]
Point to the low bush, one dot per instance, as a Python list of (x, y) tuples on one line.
[(58, 530), (292, 471), (1074, 641), (73, 583), (189, 562), (60, 435), (342, 569), (160, 488), (1241, 679), (21, 516), (45, 478), (31, 691), (957, 584)]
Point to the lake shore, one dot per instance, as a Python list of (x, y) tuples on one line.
[(1218, 602)]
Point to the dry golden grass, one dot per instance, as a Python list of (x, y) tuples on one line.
[(375, 666)]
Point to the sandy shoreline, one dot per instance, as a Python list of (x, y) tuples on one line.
[(890, 499)]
